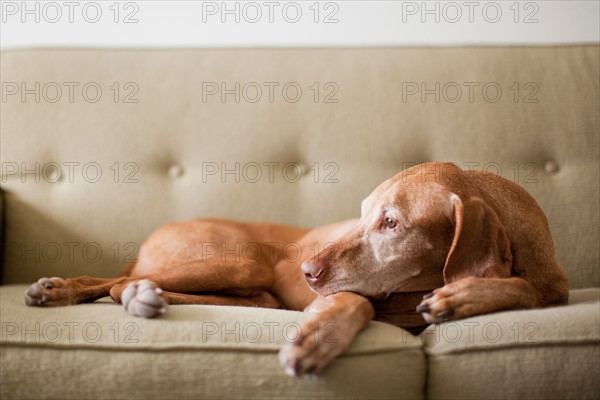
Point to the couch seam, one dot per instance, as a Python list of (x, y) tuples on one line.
[(528, 345), (146, 348)]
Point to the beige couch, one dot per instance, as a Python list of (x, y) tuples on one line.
[(85, 178)]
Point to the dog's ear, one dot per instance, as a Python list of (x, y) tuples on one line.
[(480, 246)]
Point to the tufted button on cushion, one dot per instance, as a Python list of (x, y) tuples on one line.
[(175, 171), (52, 173), (551, 167), (304, 169)]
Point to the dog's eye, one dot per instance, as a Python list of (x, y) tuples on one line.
[(390, 223)]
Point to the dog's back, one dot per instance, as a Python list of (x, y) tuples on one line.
[(527, 228)]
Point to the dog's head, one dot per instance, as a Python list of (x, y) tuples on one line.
[(418, 230)]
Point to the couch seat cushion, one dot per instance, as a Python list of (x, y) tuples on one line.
[(545, 354), (99, 351)]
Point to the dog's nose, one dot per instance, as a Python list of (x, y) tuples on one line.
[(311, 270)]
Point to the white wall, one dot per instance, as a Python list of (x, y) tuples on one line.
[(301, 23)]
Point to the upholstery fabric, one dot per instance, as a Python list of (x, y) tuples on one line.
[(2, 229), (552, 353), (98, 351), (100, 147), (144, 152)]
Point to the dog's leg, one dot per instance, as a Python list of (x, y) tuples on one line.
[(329, 333), (236, 279), (52, 292), (144, 298), (211, 276), (263, 299), (198, 282), (475, 296)]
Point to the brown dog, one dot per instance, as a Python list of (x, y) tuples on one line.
[(434, 243)]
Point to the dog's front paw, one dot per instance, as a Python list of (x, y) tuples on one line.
[(315, 348), (451, 302), (143, 299), (49, 292)]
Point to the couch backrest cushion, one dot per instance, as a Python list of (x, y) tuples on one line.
[(99, 147)]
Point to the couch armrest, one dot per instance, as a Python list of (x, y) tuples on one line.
[(2, 233)]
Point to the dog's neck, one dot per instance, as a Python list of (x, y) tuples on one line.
[(399, 309)]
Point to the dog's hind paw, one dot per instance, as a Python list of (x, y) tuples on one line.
[(143, 299), (49, 292)]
